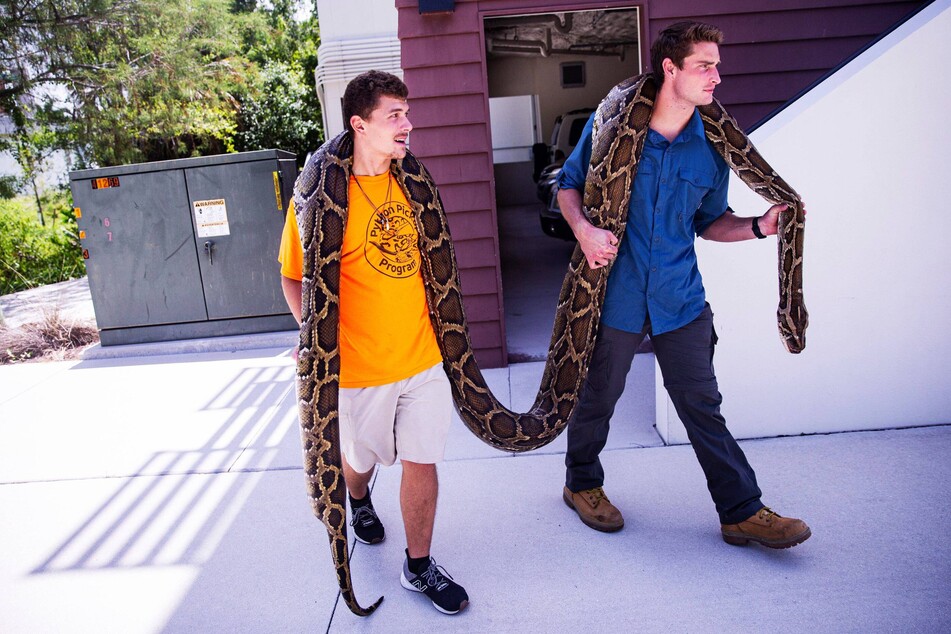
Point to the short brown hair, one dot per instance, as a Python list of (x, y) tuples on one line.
[(364, 91), (676, 42)]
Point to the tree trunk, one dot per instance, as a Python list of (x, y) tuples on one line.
[(39, 203)]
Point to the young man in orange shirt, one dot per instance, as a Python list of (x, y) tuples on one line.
[(395, 400)]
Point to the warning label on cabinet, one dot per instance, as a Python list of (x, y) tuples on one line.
[(211, 218)]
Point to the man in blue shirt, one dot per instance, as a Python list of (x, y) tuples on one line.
[(655, 288)]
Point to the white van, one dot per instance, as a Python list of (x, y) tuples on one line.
[(566, 132)]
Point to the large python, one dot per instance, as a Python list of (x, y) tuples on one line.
[(320, 195)]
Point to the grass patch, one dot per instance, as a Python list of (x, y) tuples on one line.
[(53, 338), (32, 254)]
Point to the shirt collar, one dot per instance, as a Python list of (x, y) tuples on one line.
[(694, 126), (693, 129)]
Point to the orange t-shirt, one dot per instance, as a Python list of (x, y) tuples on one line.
[(385, 332)]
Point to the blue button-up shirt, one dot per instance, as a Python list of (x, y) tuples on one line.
[(679, 190)]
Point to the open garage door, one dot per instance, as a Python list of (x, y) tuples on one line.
[(546, 74)]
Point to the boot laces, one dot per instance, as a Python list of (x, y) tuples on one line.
[(767, 514), (595, 496)]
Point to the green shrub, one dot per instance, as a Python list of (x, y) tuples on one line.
[(33, 255)]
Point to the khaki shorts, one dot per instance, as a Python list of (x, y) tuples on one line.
[(408, 419)]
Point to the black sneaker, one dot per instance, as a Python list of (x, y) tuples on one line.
[(367, 527), (447, 596)]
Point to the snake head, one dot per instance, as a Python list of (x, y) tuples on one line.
[(792, 328)]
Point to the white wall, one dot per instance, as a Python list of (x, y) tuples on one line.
[(867, 150), (356, 36), (354, 19), (516, 126)]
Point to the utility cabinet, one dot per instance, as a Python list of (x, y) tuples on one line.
[(185, 248)]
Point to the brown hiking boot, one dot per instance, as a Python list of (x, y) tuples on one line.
[(767, 528), (595, 509)]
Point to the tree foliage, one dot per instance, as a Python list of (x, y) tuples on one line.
[(284, 111), (33, 255), (172, 88), (113, 82), (122, 81)]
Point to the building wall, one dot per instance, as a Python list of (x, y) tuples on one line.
[(356, 36), (773, 50), (771, 54)]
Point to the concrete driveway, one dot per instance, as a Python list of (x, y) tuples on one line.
[(165, 494)]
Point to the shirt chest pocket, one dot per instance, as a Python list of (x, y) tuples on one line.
[(695, 184), (645, 184)]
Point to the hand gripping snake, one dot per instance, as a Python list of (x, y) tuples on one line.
[(320, 196)]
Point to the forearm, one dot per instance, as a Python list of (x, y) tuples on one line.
[(732, 228), (292, 295), (599, 245), (570, 203)]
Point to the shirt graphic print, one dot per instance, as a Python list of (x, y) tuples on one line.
[(392, 242), (385, 332)]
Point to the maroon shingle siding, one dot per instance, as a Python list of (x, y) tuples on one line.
[(773, 50)]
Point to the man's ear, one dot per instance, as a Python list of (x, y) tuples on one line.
[(669, 67), (356, 122)]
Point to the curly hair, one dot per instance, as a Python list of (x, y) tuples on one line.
[(676, 42), (364, 91)]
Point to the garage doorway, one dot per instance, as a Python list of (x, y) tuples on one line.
[(546, 73)]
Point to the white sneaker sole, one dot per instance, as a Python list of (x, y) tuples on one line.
[(363, 541), (406, 584)]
